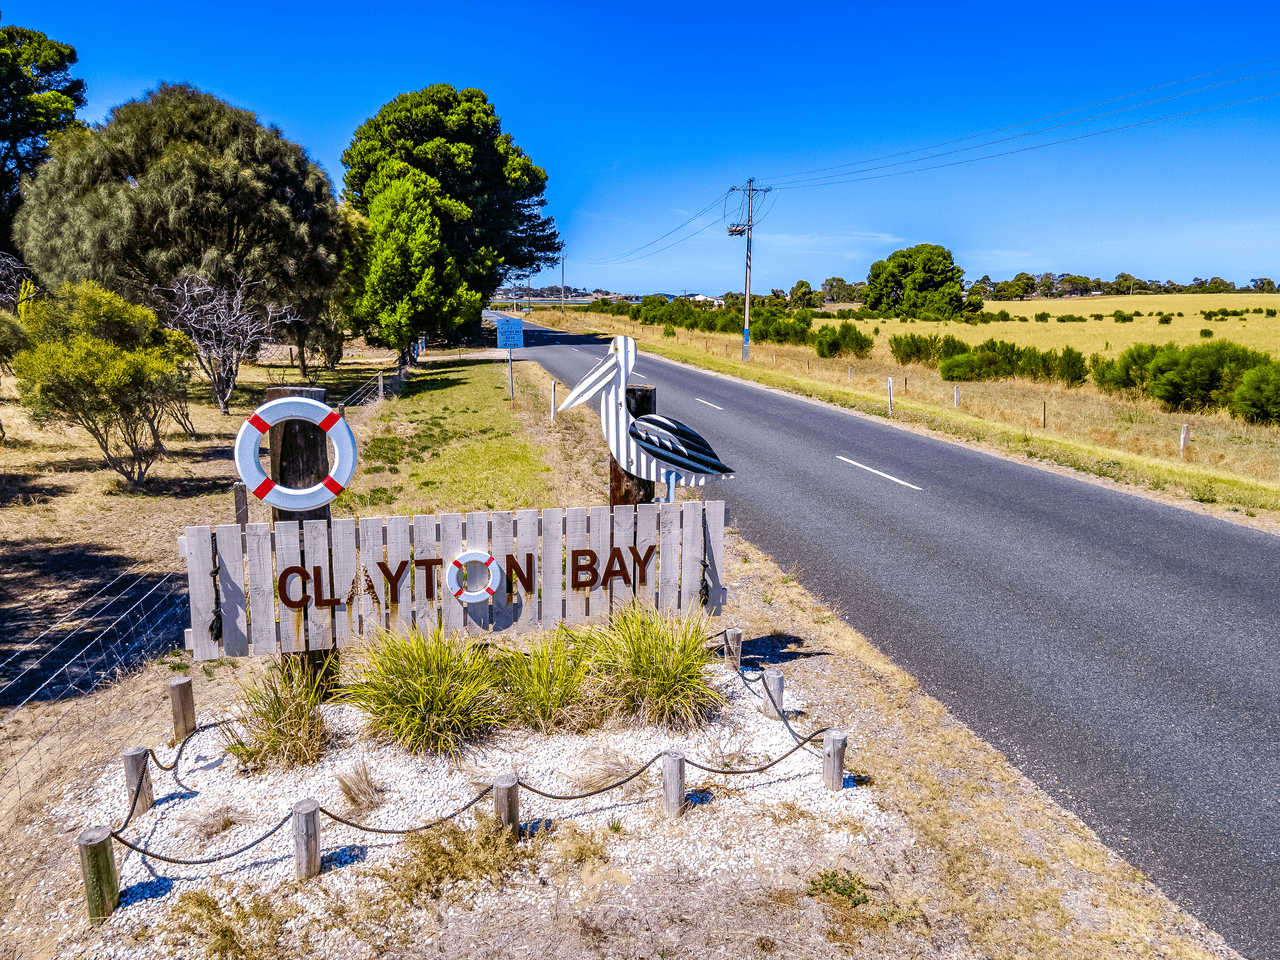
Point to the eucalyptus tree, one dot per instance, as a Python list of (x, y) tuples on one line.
[(179, 182)]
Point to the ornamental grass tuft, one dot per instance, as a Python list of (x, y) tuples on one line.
[(545, 686), (425, 692), (278, 718), (651, 666)]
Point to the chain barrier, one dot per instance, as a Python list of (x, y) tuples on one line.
[(426, 826), (761, 769), (801, 742), (195, 863), (593, 793)]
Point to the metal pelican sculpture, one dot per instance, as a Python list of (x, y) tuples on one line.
[(651, 447)]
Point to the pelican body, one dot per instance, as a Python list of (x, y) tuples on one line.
[(652, 447)]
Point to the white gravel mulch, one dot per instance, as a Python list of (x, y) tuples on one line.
[(726, 834)]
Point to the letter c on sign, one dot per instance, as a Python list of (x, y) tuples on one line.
[(283, 586)]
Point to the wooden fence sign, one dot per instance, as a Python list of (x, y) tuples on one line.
[(261, 588)]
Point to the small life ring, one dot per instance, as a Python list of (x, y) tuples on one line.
[(295, 408), (459, 563)]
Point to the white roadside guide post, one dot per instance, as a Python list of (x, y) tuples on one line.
[(1186, 439), (510, 337)]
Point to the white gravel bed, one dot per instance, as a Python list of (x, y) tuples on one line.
[(726, 834)]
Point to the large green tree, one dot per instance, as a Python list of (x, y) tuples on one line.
[(921, 279), (494, 228), (180, 182), (38, 99), (409, 284)]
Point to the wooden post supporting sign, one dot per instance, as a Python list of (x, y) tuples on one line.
[(624, 488), (733, 647), (299, 453)]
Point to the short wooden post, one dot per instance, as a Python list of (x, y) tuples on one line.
[(306, 838), (673, 804), (891, 394), (183, 702), (342, 410), (242, 502), (98, 868), (1186, 439), (135, 766), (773, 693), (553, 399), (506, 802), (1044, 413), (833, 746), (733, 647), (382, 393)]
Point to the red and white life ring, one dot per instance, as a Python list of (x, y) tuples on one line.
[(459, 563), (295, 408)]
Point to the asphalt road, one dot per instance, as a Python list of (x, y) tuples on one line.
[(1121, 652)]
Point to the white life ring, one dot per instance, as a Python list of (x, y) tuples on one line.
[(295, 408), (459, 563)]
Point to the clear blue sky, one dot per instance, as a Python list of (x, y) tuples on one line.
[(643, 114)]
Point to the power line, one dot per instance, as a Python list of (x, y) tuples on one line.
[(1038, 146), (1015, 126), (631, 254), (1032, 133)]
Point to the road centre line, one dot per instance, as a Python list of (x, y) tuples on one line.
[(708, 403), (877, 472)]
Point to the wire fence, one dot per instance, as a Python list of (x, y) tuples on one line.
[(135, 617), (368, 392)]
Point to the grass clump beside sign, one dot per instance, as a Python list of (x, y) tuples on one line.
[(430, 693)]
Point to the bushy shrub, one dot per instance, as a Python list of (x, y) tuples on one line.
[(668, 330), (1042, 316), (1071, 318), (1128, 371), (1201, 377), (1166, 319), (848, 339), (1257, 398), (975, 365), (929, 350), (1071, 367), (1271, 312), (425, 692), (1206, 333)]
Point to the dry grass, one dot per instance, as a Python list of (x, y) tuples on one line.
[(1135, 441), (359, 788), (599, 766), (576, 846), (449, 856), (208, 822)]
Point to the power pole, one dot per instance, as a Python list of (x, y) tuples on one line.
[(737, 230)]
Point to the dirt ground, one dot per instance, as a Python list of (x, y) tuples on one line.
[(979, 863)]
